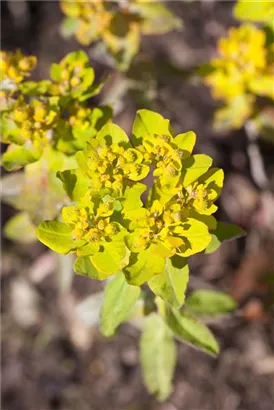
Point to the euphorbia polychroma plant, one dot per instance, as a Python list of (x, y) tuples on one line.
[(134, 234)]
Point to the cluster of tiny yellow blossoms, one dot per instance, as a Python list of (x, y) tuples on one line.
[(112, 225), (15, 66), (111, 166), (117, 24), (89, 223), (34, 120), (71, 75), (155, 224), (243, 59), (90, 14), (79, 118), (166, 156)]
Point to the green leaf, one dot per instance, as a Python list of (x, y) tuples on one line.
[(57, 236), (20, 229), (132, 197), (149, 123), (254, 10), (100, 116), (143, 266), (34, 88), (224, 232), (171, 284), (191, 330), (17, 156), (210, 303), (112, 134), (186, 142), (83, 266), (111, 259), (195, 166), (196, 236), (119, 301), (56, 72), (157, 356), (74, 183)]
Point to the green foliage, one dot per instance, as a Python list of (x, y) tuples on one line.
[(210, 303), (111, 225), (171, 283), (191, 331), (117, 25), (158, 356), (119, 301), (20, 229), (83, 184), (223, 232), (256, 11)]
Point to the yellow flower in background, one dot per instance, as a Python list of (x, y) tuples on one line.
[(243, 58), (118, 25), (15, 66)]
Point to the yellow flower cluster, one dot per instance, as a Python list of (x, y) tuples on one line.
[(168, 229), (15, 66), (110, 167), (243, 65), (117, 24), (34, 121), (91, 222)]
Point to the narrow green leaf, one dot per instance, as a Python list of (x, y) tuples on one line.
[(224, 232), (210, 303), (191, 330), (57, 236), (171, 284), (119, 301), (157, 356), (20, 229)]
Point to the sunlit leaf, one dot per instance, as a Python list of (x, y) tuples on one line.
[(191, 331), (223, 232), (171, 284), (158, 356), (194, 167), (20, 229), (119, 301), (57, 236), (143, 266), (207, 302)]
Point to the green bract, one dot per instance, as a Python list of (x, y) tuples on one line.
[(113, 227)]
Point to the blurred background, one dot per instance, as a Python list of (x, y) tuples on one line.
[(52, 356)]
